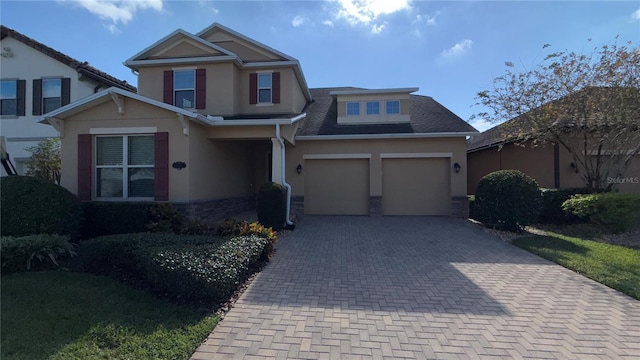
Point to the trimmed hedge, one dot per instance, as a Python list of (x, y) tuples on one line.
[(31, 206), (109, 218), (33, 252), (472, 203), (197, 269), (617, 212), (272, 205), (507, 199), (552, 200), (236, 227)]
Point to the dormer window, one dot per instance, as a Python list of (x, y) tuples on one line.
[(353, 109), (184, 88), (373, 107), (393, 107), (264, 88)]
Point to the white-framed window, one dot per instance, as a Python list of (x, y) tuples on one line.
[(373, 107), (51, 94), (184, 88), (264, 88), (8, 97), (125, 166), (392, 107), (353, 109)]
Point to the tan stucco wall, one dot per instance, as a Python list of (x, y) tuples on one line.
[(290, 94), (539, 163), (457, 146), (241, 132), (184, 48)]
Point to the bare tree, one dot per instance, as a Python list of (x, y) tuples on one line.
[(587, 103)]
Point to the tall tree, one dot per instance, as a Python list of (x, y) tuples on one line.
[(45, 160), (587, 103)]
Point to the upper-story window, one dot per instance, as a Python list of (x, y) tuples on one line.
[(9, 97), (353, 108), (264, 88), (184, 88), (373, 107), (393, 107), (51, 94)]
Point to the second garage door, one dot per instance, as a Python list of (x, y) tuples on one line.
[(416, 186), (336, 187)]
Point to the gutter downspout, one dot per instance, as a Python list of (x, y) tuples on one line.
[(284, 181)]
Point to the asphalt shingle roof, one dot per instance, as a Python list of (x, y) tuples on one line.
[(427, 116), (79, 66)]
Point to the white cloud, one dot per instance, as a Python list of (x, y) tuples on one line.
[(377, 29), (459, 48), (364, 12), (298, 20), (205, 4), (636, 15), (426, 19), (117, 11), (481, 124), (329, 23)]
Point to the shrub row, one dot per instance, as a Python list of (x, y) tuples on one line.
[(197, 269), (236, 227), (617, 212), (552, 200), (33, 252)]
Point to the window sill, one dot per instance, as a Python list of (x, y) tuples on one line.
[(264, 104)]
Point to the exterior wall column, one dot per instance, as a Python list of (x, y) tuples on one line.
[(276, 161)]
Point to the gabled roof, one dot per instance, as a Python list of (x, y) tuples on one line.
[(108, 95), (81, 67), (428, 117), (177, 35), (218, 27)]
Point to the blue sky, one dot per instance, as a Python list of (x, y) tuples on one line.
[(450, 50)]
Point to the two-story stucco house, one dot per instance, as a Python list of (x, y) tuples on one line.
[(218, 114), (36, 79)]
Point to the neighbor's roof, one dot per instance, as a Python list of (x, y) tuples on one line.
[(427, 117), (81, 67)]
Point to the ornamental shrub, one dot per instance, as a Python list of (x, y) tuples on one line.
[(617, 212), (472, 203), (508, 200), (552, 200), (236, 227), (109, 218), (31, 206), (272, 205), (33, 252)]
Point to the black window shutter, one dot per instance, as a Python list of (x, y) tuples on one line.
[(66, 91), (21, 92), (37, 97)]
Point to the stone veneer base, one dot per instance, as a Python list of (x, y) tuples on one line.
[(214, 211)]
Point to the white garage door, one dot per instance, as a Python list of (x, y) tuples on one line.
[(416, 186), (336, 187)]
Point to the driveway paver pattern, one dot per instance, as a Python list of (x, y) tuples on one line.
[(419, 288)]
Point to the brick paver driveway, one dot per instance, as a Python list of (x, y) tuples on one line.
[(424, 288)]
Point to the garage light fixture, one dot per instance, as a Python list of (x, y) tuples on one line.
[(457, 167), (299, 169)]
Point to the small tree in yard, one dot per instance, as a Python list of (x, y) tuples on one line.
[(45, 160), (587, 103)]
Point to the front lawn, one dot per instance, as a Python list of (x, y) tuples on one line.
[(615, 266), (64, 315)]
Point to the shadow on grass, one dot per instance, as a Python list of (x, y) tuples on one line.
[(58, 315)]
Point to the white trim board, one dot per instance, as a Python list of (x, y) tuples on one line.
[(335, 156), (385, 136), (415, 155)]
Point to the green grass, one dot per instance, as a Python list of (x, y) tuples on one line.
[(64, 315), (615, 266)]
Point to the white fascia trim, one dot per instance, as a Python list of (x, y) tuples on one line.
[(385, 136), (243, 37), (253, 122), (374, 91), (335, 156), (415, 155), (114, 90), (173, 34), (189, 60), (124, 130)]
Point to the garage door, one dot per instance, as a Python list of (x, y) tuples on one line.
[(416, 186), (336, 187)]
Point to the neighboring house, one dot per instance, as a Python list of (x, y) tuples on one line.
[(218, 114), (551, 165), (36, 79)]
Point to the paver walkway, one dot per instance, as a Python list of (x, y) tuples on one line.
[(420, 288)]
